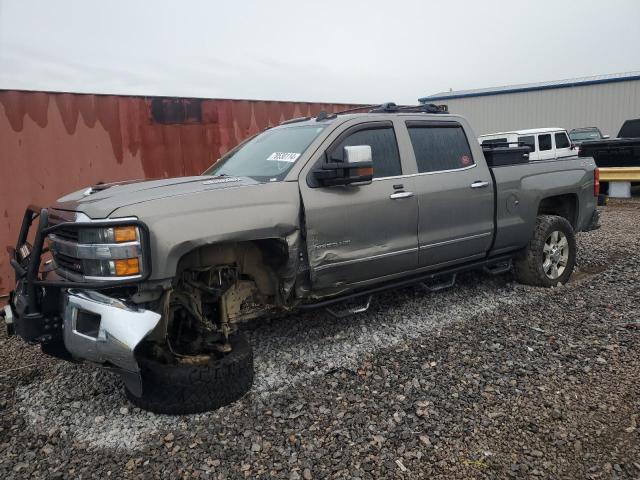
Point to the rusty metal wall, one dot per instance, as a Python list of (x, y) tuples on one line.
[(55, 143)]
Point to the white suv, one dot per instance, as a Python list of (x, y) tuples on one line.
[(545, 143)]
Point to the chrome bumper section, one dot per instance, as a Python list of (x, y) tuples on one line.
[(104, 330)]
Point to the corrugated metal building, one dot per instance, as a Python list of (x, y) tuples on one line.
[(603, 101), (56, 143)]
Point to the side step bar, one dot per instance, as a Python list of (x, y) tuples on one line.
[(442, 283), (404, 282), (363, 307), (498, 267)]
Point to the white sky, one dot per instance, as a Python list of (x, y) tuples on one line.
[(322, 50)]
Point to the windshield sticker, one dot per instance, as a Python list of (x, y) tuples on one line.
[(289, 157)]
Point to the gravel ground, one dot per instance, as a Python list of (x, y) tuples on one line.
[(489, 379)]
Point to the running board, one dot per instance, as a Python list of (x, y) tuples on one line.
[(405, 282), (498, 268), (363, 307), (441, 285)]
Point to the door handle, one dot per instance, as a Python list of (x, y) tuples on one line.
[(396, 196), (479, 184)]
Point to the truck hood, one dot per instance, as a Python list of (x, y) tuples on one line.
[(99, 201)]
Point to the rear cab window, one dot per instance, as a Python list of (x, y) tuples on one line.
[(440, 147)]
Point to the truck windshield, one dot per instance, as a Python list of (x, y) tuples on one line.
[(268, 156), (585, 135)]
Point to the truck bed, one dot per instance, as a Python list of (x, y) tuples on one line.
[(519, 185)]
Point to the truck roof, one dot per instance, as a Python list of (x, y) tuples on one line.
[(530, 131), (373, 116), (385, 110)]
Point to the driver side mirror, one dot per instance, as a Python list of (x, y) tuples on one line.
[(358, 154), (355, 168)]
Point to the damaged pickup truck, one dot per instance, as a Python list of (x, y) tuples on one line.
[(153, 278)]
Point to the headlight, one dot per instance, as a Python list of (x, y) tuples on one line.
[(109, 235), (98, 253)]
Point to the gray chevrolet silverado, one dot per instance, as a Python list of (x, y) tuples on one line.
[(152, 278)]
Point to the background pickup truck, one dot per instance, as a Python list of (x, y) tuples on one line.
[(151, 279), (623, 151)]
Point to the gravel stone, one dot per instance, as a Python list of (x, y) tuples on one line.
[(489, 379)]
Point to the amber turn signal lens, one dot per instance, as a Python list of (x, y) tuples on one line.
[(364, 171), (125, 234), (126, 267)]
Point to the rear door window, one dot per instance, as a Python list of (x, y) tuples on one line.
[(562, 141), (544, 142), (439, 148), (529, 141), (384, 149)]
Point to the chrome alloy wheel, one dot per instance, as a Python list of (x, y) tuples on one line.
[(556, 254)]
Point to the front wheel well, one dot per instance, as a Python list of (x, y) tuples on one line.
[(259, 260)]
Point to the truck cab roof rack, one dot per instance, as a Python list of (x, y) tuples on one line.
[(355, 109), (425, 108), (391, 107), (323, 115), (387, 107), (295, 120)]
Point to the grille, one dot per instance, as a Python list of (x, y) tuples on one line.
[(65, 263), (68, 234), (68, 263)]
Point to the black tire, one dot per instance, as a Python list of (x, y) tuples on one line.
[(529, 268), (193, 388)]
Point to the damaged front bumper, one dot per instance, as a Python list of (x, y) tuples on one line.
[(104, 330), (72, 321), (93, 327)]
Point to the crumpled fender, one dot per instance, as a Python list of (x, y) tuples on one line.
[(180, 224)]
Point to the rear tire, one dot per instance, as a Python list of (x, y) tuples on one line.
[(183, 388), (550, 256)]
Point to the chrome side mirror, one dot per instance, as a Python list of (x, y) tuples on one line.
[(358, 154), (355, 168)]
